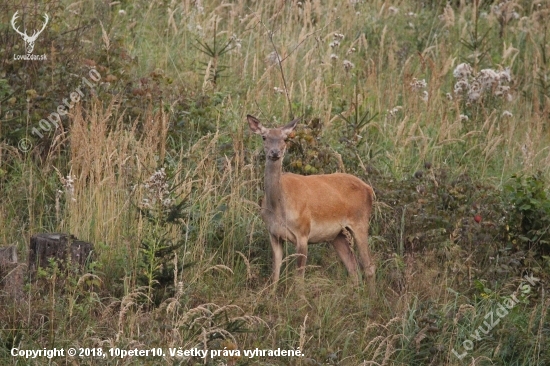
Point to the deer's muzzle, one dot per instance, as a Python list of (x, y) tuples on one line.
[(274, 155)]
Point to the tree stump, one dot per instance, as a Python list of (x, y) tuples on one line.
[(11, 273), (62, 248)]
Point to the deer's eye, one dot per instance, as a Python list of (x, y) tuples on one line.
[(263, 138)]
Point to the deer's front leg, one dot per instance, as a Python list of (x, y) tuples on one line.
[(277, 247)]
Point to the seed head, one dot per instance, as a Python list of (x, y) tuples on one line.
[(348, 65), (462, 71), (418, 85), (273, 58)]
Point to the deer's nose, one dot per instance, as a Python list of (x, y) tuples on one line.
[(274, 154)]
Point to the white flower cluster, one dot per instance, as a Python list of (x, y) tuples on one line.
[(338, 37), (236, 42), (273, 58), (199, 7), (68, 186), (393, 10), (393, 112), (487, 81), (462, 71), (157, 190), (505, 10), (418, 86), (348, 65)]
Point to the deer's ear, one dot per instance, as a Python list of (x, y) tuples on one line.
[(255, 125), (291, 126)]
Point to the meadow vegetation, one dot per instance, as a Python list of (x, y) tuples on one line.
[(444, 108)]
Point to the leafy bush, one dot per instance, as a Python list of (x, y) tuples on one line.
[(529, 220)]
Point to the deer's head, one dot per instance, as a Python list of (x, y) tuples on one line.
[(29, 40), (274, 138)]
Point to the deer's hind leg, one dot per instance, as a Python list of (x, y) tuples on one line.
[(301, 251), (343, 247), (361, 234), (365, 259)]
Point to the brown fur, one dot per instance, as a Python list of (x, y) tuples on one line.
[(312, 209)]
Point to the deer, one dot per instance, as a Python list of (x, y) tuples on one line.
[(313, 209), (29, 40)]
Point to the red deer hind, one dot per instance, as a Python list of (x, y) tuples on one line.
[(313, 209)]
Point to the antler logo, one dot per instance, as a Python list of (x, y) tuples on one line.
[(29, 40)]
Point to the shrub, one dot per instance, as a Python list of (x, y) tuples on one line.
[(529, 218)]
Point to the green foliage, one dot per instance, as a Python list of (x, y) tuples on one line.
[(308, 154), (198, 116), (529, 218), (214, 51), (426, 335), (156, 266), (211, 327), (354, 130), (477, 42), (5, 90), (311, 148), (543, 72)]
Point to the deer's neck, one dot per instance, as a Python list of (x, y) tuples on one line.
[(273, 186)]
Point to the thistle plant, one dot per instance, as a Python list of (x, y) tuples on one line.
[(157, 249), (485, 88)]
